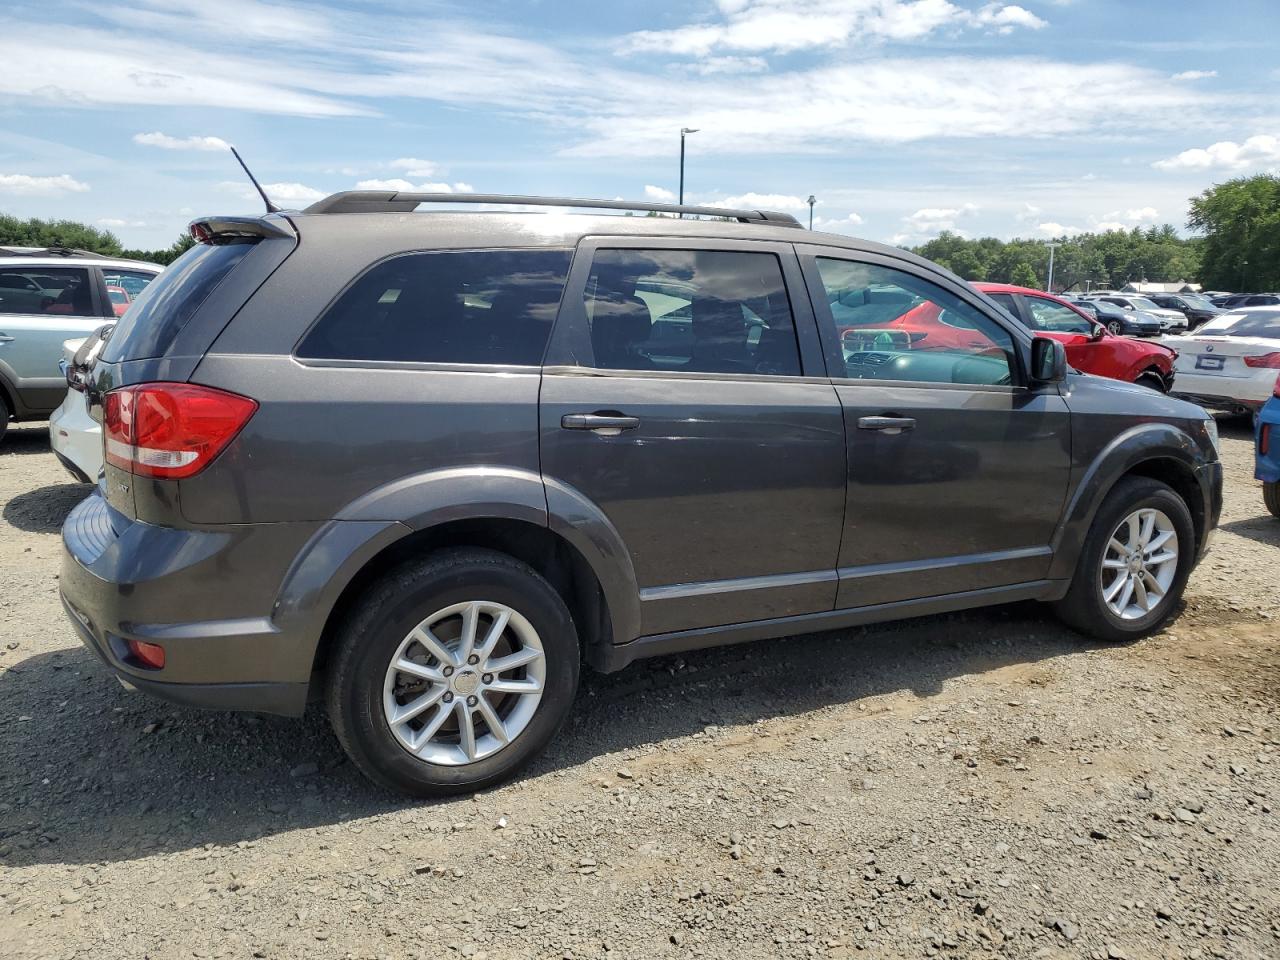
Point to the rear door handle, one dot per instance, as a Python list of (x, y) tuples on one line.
[(890, 425), (5, 338), (609, 424)]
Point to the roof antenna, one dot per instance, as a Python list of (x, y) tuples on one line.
[(271, 207)]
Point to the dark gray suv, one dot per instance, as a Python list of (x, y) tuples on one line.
[(425, 465)]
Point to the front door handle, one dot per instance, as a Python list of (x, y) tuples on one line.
[(889, 425), (5, 338), (608, 424)]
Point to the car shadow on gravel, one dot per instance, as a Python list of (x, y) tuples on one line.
[(1263, 528), (43, 510), (24, 440), (91, 773)]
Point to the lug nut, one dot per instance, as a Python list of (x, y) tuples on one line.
[(487, 678), (472, 701), (473, 659), (448, 671), (448, 697)]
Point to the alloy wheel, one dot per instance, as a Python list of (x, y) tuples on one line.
[(464, 683), (1139, 564)]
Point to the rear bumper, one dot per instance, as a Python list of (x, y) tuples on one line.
[(196, 593), (76, 438), (1267, 465)]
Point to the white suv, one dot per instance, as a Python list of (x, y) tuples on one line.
[(48, 296)]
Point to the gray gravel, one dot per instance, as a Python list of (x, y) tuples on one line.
[(964, 786)]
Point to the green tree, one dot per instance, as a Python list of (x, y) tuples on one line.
[(35, 232), (1024, 275), (1240, 220)]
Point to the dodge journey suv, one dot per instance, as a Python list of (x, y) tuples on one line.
[(424, 465)]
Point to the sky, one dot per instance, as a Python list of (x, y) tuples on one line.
[(902, 117)]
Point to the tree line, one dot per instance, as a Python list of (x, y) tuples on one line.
[(73, 235), (1236, 246)]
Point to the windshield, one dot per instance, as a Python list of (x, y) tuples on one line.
[(1252, 323), (1197, 300), (1142, 303)]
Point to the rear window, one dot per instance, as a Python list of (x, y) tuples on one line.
[(1244, 324), (168, 303), (488, 307), (46, 291)]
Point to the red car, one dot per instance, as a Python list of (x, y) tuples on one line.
[(120, 299), (1091, 348)]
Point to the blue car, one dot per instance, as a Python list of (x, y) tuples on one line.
[(1268, 455)]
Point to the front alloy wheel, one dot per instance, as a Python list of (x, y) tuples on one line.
[(1139, 564)]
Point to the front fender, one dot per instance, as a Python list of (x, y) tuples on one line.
[(1141, 443)]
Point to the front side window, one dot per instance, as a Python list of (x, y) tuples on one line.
[(697, 311), (477, 306), (894, 325), (1056, 318), (46, 291)]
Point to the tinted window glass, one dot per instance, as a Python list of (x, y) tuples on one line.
[(167, 304), (1244, 324), (492, 306), (1047, 315), (46, 291), (702, 311), (894, 325), (133, 282), (1005, 300)]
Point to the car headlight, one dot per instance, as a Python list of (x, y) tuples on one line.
[(1211, 431)]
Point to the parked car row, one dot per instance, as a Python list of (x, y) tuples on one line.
[(1231, 301), (1231, 363)]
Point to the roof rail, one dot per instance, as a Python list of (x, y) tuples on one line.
[(53, 252), (390, 201)]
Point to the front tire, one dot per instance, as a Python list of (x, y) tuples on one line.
[(1134, 564), (1271, 497), (452, 672), (1153, 381)]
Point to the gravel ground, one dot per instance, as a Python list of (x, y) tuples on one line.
[(963, 786)]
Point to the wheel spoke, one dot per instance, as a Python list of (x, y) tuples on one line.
[(1114, 590), (494, 635), (1148, 527), (1158, 559), (419, 670), (1160, 539), (513, 660), (437, 649), (527, 685), (1114, 564), (1118, 547), (1140, 592), (466, 729), (470, 623), (410, 710), (1154, 590), (1135, 531), (431, 728), (491, 719), (1125, 595)]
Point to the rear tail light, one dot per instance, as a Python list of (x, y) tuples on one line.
[(1264, 439), (1268, 360), (170, 430), (1275, 391), (149, 655)]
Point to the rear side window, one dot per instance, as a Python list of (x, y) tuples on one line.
[(699, 311), (169, 302), (486, 306), (46, 291), (1258, 323)]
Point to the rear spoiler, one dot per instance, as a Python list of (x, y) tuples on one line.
[(215, 230)]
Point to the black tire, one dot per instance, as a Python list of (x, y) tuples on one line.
[(384, 616), (4, 417), (1152, 380), (1271, 497), (1083, 608), (1116, 328)]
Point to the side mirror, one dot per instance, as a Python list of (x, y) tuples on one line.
[(1048, 361), (1099, 331)]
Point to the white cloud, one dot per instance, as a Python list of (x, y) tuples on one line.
[(1139, 215), (1110, 226), (112, 222), (709, 66), (1058, 230), (22, 185), (763, 201), (928, 222), (404, 186), (166, 142), (1028, 213), (283, 194), (1194, 75), (414, 167), (660, 194), (837, 224), (1256, 152), (784, 26)]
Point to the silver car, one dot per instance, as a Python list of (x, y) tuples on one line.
[(48, 296)]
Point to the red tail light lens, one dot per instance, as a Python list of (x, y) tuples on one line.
[(149, 655), (1268, 360), (170, 430), (1264, 439)]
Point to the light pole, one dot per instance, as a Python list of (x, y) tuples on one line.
[(811, 201), (1052, 247), (683, 131)]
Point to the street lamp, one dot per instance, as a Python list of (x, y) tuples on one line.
[(1052, 247), (811, 201), (683, 131)]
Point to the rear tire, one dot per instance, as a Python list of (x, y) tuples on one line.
[(4, 417), (1085, 608), (1153, 381), (1271, 497), (473, 729)]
